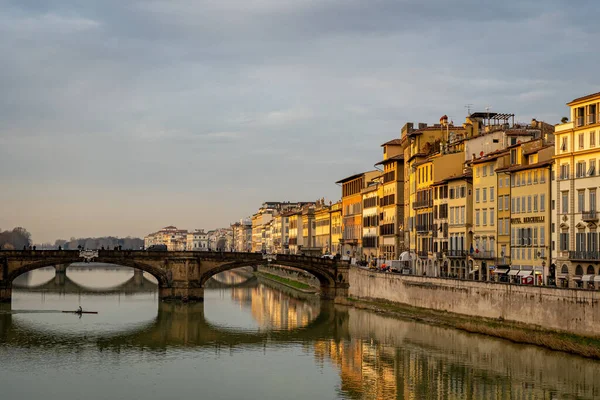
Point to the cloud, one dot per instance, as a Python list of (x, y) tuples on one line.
[(256, 99)]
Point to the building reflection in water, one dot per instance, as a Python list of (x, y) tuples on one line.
[(392, 359), (273, 309)]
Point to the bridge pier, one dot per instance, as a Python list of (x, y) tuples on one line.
[(183, 293), (138, 276), (335, 293), (5, 293)]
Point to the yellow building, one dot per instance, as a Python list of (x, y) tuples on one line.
[(336, 228), (460, 202), (391, 201), (352, 187), (530, 166), (295, 241), (575, 220), (323, 227)]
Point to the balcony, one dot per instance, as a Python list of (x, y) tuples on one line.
[(422, 204), (423, 228), (483, 254), (589, 216), (584, 255), (456, 253), (423, 254)]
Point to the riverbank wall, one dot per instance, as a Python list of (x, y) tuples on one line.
[(573, 311), (291, 273)]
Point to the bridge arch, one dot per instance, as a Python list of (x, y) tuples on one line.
[(158, 274), (326, 278)]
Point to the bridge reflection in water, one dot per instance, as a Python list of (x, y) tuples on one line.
[(376, 357)]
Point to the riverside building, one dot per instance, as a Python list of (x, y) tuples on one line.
[(575, 217)]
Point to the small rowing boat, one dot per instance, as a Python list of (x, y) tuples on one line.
[(81, 312)]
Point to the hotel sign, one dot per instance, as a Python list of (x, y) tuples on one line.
[(527, 220)]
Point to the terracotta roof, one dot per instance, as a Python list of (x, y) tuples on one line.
[(490, 156), (587, 97), (399, 157), (525, 167), (393, 141)]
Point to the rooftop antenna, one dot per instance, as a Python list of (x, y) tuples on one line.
[(468, 107)]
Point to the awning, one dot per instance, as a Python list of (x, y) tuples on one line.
[(576, 278), (524, 273), (587, 278), (597, 278), (500, 271), (513, 272)]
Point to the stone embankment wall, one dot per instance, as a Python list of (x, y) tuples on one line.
[(573, 310), (291, 273)]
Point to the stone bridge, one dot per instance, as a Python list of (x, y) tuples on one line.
[(181, 275)]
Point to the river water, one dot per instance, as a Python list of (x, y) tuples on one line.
[(251, 339)]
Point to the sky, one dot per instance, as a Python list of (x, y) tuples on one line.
[(121, 117)]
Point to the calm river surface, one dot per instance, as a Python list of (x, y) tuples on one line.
[(251, 340)]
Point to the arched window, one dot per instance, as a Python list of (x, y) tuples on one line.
[(579, 270), (564, 269), (590, 270)]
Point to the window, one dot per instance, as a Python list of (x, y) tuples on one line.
[(535, 176), (592, 169), (518, 209), (580, 201), (477, 217), (580, 138), (500, 202), (492, 193), (535, 203), (500, 226), (513, 156), (462, 214), (463, 192), (528, 203), (592, 200), (500, 182), (506, 182), (451, 215), (476, 195), (564, 145), (506, 206), (484, 194), (535, 236), (542, 236), (593, 139), (564, 201), (492, 217), (529, 177), (485, 216), (542, 202), (580, 170), (491, 169), (542, 176), (477, 172), (484, 168), (523, 204), (564, 171), (513, 204)]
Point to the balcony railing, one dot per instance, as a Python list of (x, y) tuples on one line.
[(584, 255), (423, 228), (422, 204), (456, 253), (589, 216), (483, 254), (423, 254)]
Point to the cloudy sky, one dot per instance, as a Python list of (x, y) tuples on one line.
[(120, 117)]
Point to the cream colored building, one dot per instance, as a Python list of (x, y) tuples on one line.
[(575, 217), (370, 221)]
